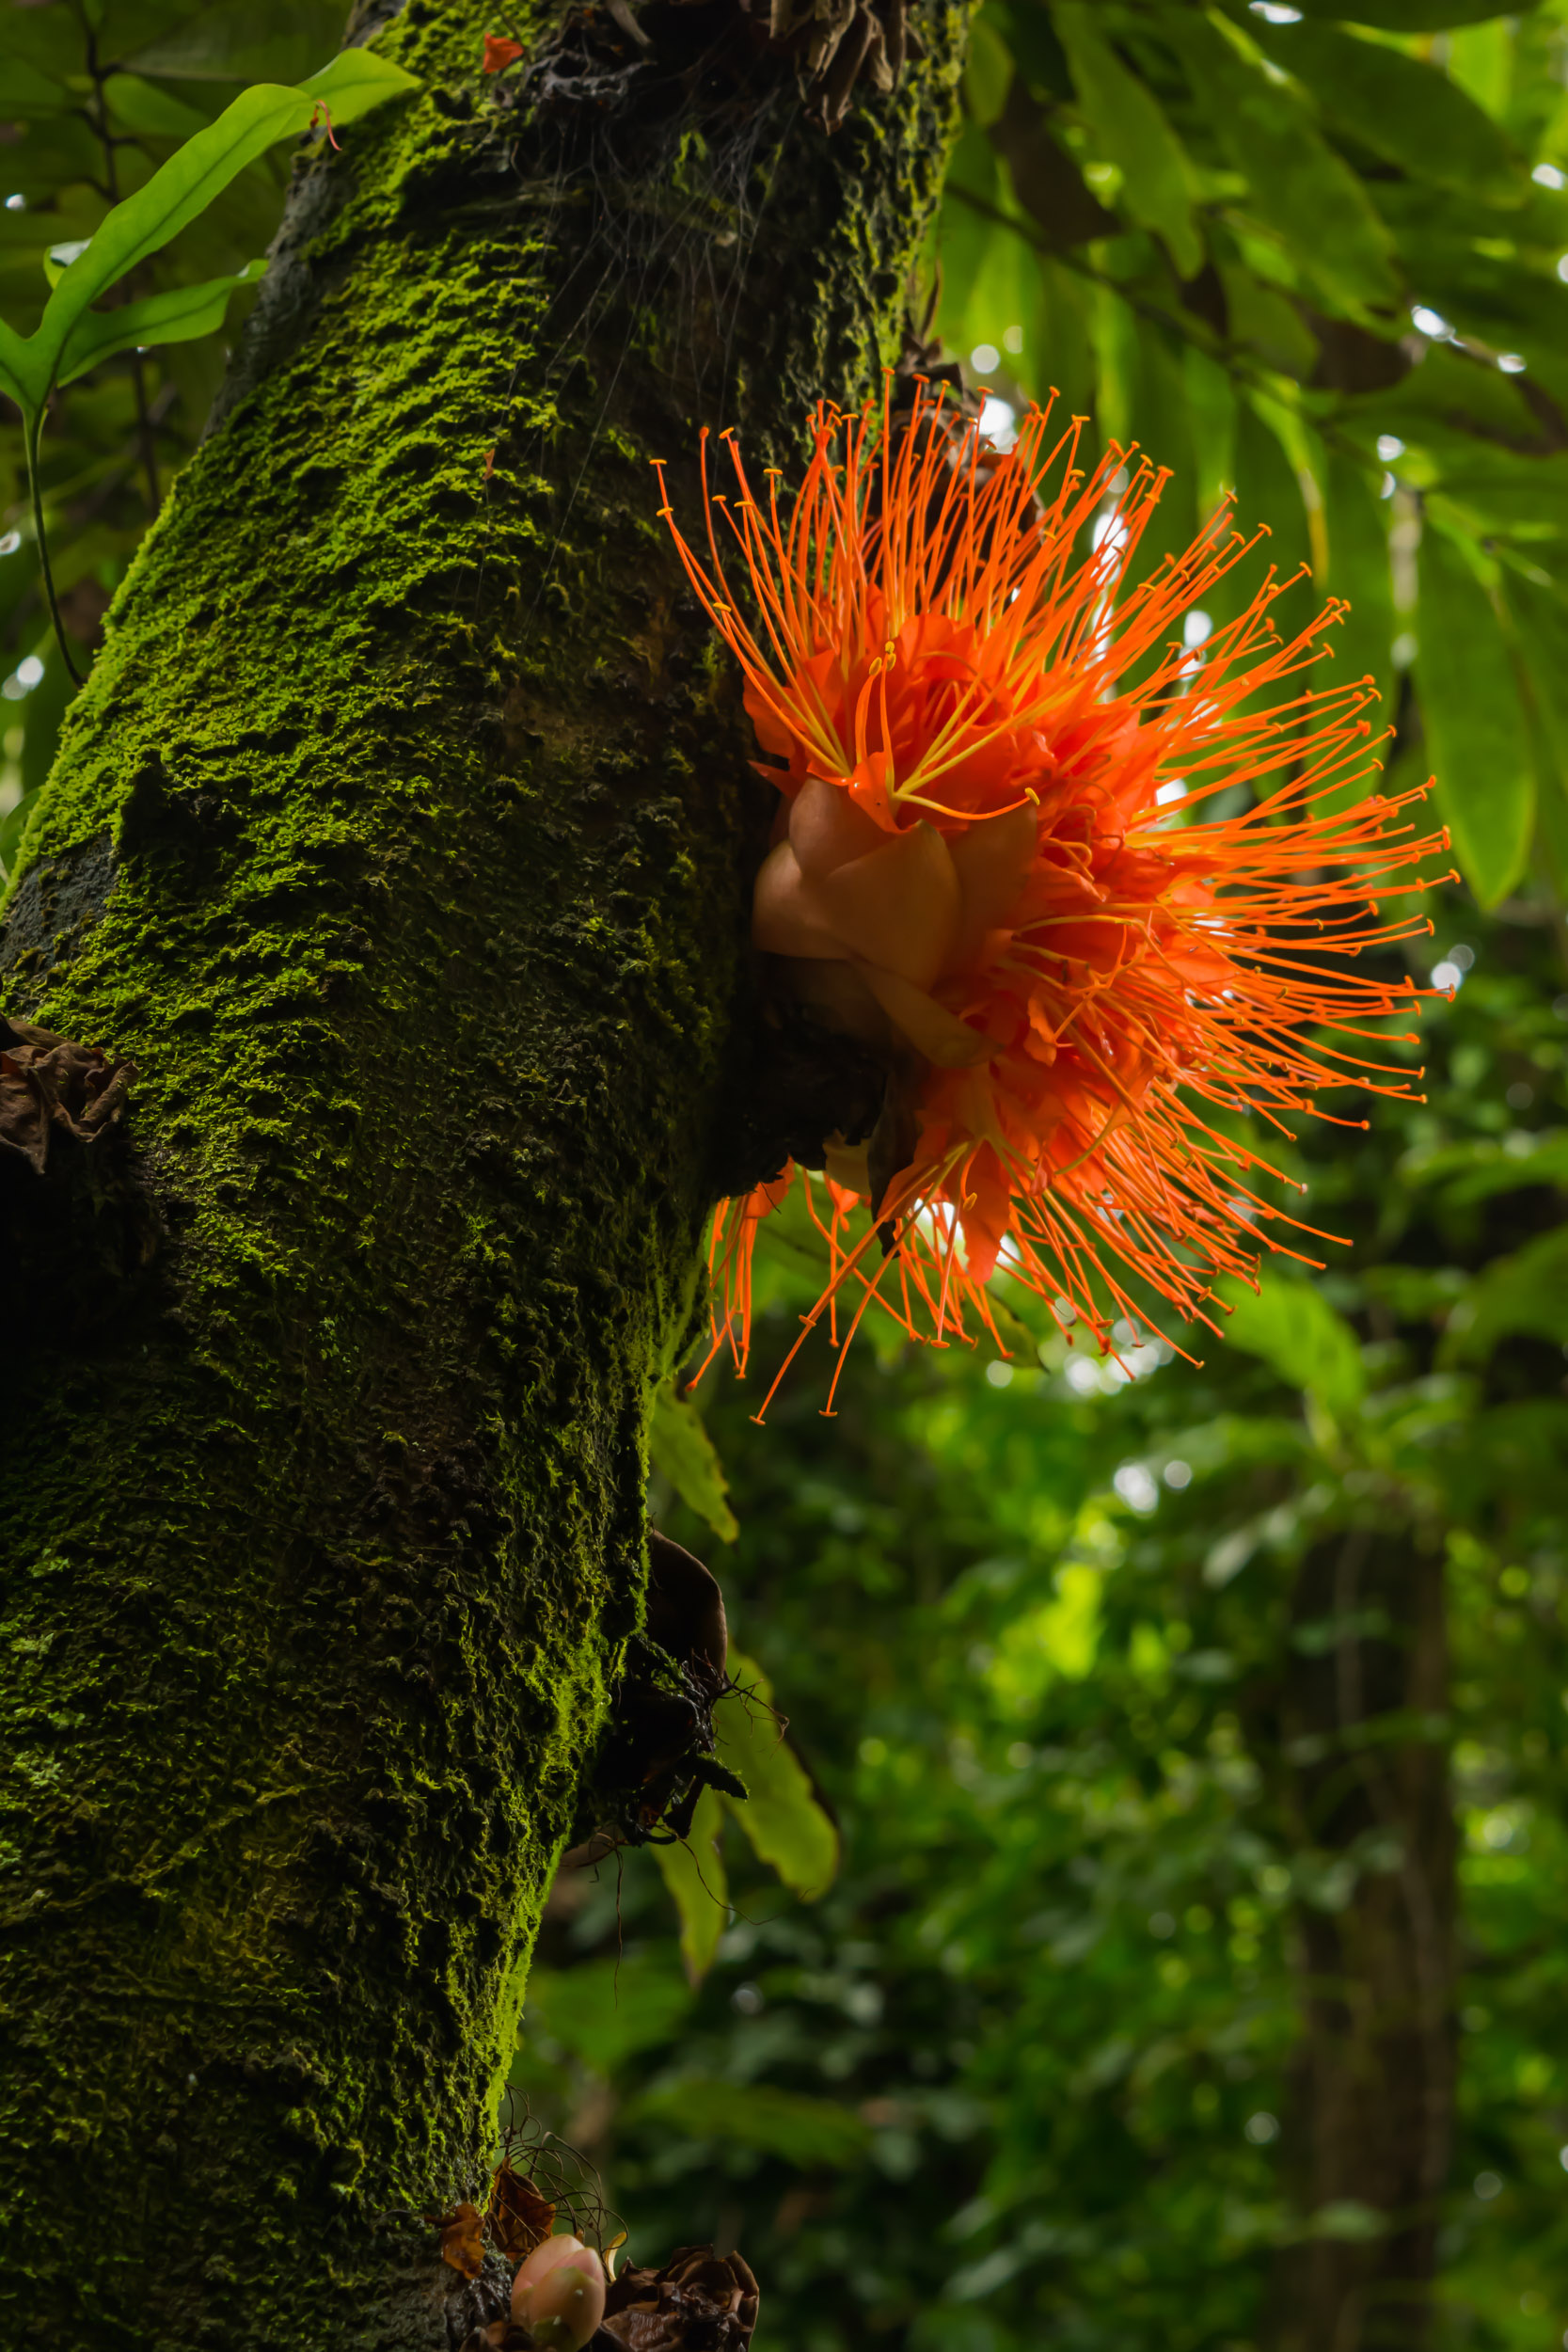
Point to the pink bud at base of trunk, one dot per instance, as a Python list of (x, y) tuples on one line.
[(558, 2295)]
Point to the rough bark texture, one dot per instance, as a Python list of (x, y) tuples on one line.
[(1369, 2124), (400, 838)]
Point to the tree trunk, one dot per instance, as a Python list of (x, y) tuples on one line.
[(1368, 2122), (400, 838)]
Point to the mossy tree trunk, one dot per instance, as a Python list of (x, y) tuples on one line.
[(402, 838)]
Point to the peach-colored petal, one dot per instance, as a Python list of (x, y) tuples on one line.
[(899, 907), (992, 861), (785, 919), (827, 828), (930, 1028)]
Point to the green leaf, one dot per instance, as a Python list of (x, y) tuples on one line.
[(59, 257), (1296, 185), (186, 185), (606, 2010), (237, 42), (1401, 108), (13, 365), (781, 1813), (1297, 1333), (29, 93), (694, 1874), (1525, 1295), (1540, 619), (683, 1453), (1475, 731), (803, 2131), (176, 316), (987, 68), (1412, 16), (1358, 569), (1263, 319), (357, 80), (1130, 129), (152, 112), (176, 193)]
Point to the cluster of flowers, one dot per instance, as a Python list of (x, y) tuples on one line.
[(1010, 857)]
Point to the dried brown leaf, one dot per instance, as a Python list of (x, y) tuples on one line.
[(462, 2238), (520, 2217)]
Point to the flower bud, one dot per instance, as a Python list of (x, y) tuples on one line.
[(558, 2295)]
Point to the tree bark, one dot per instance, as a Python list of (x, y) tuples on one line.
[(402, 840), (1368, 2117)]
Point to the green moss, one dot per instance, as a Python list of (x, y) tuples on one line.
[(422, 926)]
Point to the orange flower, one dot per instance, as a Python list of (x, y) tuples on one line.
[(499, 52), (995, 862)]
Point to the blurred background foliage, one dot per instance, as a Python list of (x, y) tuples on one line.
[(1197, 1735)]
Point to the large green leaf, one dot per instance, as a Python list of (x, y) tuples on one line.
[(237, 42), (806, 2132), (1411, 16), (1525, 1293), (29, 93), (694, 1873), (176, 316), (683, 1453), (1401, 108), (780, 1813), (1476, 735), (1297, 1333), (1131, 130), (183, 188), (1540, 619), (1295, 183), (140, 106), (1358, 569), (606, 2010)]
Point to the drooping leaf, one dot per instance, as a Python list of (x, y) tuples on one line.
[(781, 1813), (694, 1873), (682, 1452), (1131, 130), (1476, 737), (520, 2217)]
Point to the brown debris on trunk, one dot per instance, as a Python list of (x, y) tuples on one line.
[(50, 1087)]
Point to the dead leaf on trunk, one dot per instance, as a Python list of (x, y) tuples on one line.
[(520, 2217), (462, 2231), (50, 1087)]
